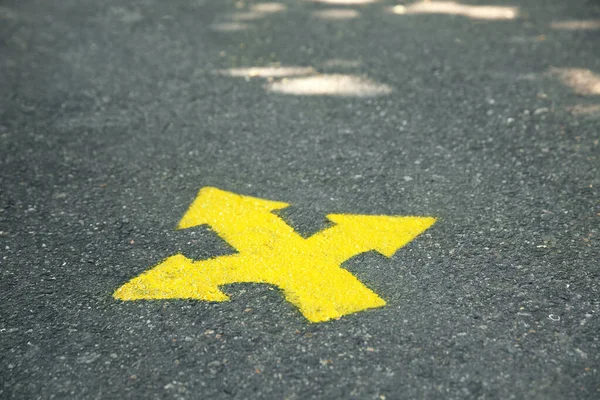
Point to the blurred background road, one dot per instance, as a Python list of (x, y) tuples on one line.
[(484, 114)]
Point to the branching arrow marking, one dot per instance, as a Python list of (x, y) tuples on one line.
[(269, 251)]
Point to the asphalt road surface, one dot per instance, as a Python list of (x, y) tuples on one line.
[(113, 114)]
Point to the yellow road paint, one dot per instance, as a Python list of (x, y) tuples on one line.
[(269, 251)]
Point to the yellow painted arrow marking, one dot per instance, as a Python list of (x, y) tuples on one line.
[(269, 251)]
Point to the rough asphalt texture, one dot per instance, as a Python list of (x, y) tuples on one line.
[(112, 117)]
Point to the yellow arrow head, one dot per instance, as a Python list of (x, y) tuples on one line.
[(177, 277), (213, 205), (385, 234)]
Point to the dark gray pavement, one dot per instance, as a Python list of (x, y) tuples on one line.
[(114, 113)]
